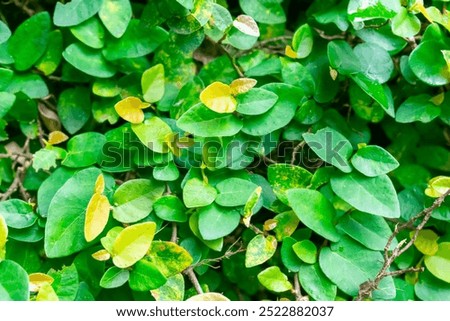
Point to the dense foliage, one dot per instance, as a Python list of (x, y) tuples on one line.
[(252, 149)]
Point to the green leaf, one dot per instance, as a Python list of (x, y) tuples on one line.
[(172, 290), (332, 147), (256, 101), (52, 56), (259, 250), (288, 257), (283, 177), (114, 278), (88, 60), (30, 85), (17, 213), (279, 115), (306, 251), (5, 33), (264, 11), (66, 282), (132, 243), (44, 159), (74, 108), (315, 211), (381, 94), (169, 257), (201, 121), (153, 133), (417, 108), (90, 32), (13, 282), (146, 276), (75, 12), (373, 195), (197, 193), (371, 231), (375, 61), (439, 263), (134, 199), (115, 15), (342, 58), (315, 283), (152, 83), (296, 74), (6, 102), (428, 63), (234, 192), (215, 221), (84, 149), (215, 245), (274, 280), (405, 24), (66, 214), (302, 41), (348, 265), (50, 186), (373, 161), (429, 288), (29, 41), (170, 208), (361, 10), (137, 41)]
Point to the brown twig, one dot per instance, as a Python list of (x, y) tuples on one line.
[(323, 35), (297, 292), (296, 150), (233, 61), (228, 253), (189, 272), (366, 289), (174, 236)]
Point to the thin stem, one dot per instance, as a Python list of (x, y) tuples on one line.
[(174, 237), (189, 272)]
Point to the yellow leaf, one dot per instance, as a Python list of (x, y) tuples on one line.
[(288, 51), (99, 184), (101, 255), (242, 85), (423, 10), (333, 73), (37, 280), (132, 244), (439, 98), (438, 186), (47, 293), (57, 137), (130, 109), (426, 242), (218, 98), (3, 237), (97, 214)]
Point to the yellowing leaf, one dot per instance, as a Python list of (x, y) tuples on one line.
[(132, 244), (288, 51), (130, 109), (438, 186), (3, 237), (97, 214), (242, 85), (246, 25), (100, 184), (333, 73), (47, 293), (218, 98), (426, 242), (439, 98), (101, 255), (37, 280), (210, 296), (57, 137), (420, 7)]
